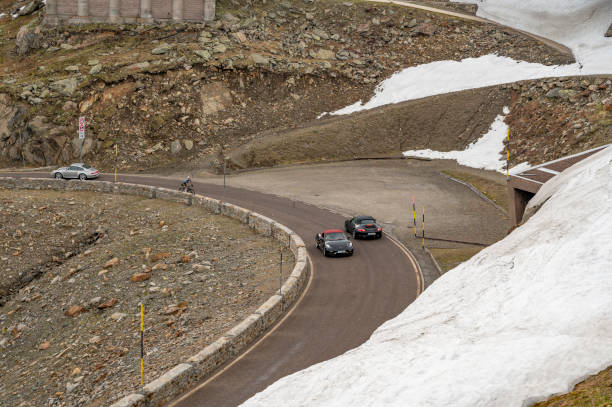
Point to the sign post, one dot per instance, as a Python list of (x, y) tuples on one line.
[(81, 135)]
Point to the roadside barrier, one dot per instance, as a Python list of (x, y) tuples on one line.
[(185, 375)]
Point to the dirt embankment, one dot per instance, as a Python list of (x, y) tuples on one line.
[(69, 323), (178, 93), (443, 122)]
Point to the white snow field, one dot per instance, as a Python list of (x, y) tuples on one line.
[(483, 153), (578, 24), (526, 318)]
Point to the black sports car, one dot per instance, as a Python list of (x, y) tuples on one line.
[(363, 226), (334, 242)]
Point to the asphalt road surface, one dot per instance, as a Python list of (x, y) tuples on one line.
[(347, 299)]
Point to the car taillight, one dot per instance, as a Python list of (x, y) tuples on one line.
[(380, 229), (360, 230)]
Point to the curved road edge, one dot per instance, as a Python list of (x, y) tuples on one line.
[(348, 299), (246, 334), (558, 46)]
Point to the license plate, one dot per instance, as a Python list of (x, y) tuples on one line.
[(371, 234), (341, 251)]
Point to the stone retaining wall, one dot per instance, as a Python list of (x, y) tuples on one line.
[(185, 375)]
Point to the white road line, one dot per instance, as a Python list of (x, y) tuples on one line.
[(233, 362), (548, 170)]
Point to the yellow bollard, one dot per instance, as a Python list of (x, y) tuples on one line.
[(508, 154)]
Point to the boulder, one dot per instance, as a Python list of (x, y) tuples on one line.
[(175, 147), (46, 143), (202, 53), (215, 98), (31, 7), (609, 32), (220, 48), (259, 60), (240, 37), (28, 38), (96, 69), (325, 54), (162, 49), (553, 93), (188, 144), (426, 29), (65, 86), (140, 66)]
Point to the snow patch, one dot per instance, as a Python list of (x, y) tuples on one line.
[(525, 318), (440, 77), (483, 153), (578, 24)]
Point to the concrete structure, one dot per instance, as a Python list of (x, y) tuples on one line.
[(524, 185), (128, 11)]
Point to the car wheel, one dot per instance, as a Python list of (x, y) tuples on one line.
[(58, 175), (354, 234), (82, 177), (378, 236), (324, 252)]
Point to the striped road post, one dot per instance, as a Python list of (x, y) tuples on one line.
[(508, 155), (414, 216), (423, 227)]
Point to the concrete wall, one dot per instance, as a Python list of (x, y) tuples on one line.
[(185, 375), (128, 11)]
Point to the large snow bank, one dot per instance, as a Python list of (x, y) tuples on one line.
[(578, 24), (524, 319)]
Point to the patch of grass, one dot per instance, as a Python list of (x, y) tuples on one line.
[(494, 191), (596, 391), (448, 259)]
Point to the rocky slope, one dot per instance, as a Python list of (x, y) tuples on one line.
[(191, 93), (75, 269), (553, 118)]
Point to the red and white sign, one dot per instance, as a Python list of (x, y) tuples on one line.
[(82, 127)]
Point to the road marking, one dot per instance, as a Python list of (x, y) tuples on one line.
[(233, 362), (548, 170), (415, 264)]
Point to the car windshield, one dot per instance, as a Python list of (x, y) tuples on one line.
[(335, 236), (365, 221)]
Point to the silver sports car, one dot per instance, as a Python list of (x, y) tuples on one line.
[(76, 170)]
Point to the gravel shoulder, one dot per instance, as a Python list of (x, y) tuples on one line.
[(69, 332)]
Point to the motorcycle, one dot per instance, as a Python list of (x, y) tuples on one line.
[(186, 188)]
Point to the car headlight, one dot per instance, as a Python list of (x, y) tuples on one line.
[(327, 246), (350, 245)]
